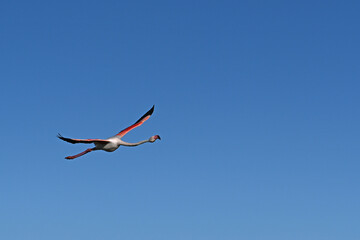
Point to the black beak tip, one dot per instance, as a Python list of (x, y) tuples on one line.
[(159, 137)]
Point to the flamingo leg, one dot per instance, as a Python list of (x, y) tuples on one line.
[(80, 154)]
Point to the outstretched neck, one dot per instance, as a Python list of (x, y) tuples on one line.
[(135, 144)]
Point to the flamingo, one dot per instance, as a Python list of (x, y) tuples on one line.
[(112, 143)]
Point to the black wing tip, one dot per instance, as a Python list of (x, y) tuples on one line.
[(69, 140), (148, 113), (151, 110), (61, 137)]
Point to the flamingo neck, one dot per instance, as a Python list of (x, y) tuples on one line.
[(135, 144)]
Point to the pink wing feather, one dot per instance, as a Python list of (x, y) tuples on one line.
[(139, 122)]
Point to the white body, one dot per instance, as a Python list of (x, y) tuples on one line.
[(113, 144)]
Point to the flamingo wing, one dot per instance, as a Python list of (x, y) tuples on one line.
[(73, 141), (139, 122)]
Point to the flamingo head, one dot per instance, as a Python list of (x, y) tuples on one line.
[(153, 138)]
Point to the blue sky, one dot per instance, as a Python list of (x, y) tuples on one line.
[(256, 103)]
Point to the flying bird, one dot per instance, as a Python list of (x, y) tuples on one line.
[(112, 143)]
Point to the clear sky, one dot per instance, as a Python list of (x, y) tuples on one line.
[(257, 104)]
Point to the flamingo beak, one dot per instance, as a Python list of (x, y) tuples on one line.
[(159, 137)]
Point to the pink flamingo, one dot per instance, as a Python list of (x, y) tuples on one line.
[(112, 143)]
